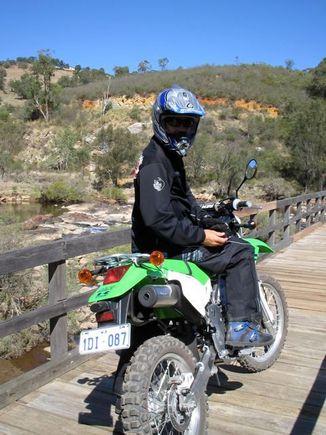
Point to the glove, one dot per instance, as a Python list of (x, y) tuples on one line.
[(211, 223)]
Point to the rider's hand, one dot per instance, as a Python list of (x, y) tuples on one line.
[(214, 238)]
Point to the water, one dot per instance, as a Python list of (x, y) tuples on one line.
[(12, 235), (18, 213), (10, 369)]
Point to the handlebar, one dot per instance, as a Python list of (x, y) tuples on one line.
[(237, 204), (232, 205)]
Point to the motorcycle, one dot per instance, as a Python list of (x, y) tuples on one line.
[(166, 320)]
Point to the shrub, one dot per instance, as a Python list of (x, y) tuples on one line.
[(4, 114), (61, 192), (135, 113), (114, 193), (277, 188), (19, 292)]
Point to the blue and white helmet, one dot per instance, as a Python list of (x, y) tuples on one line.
[(176, 103)]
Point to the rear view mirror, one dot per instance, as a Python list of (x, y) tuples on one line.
[(251, 169)]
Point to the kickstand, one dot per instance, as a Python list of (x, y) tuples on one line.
[(217, 377)]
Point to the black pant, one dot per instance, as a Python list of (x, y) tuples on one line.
[(235, 260)]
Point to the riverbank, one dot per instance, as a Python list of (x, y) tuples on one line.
[(76, 220), (33, 223)]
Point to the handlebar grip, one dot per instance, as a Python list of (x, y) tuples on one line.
[(240, 204)]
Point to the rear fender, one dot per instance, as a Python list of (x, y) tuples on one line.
[(133, 276)]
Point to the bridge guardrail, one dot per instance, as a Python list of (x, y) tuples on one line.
[(288, 219)]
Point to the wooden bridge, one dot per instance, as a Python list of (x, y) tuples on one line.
[(70, 395)]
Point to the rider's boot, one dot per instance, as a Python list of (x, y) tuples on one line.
[(246, 334)]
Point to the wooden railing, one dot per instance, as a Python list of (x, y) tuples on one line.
[(285, 220), (288, 219)]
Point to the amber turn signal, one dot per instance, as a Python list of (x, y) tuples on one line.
[(85, 276), (156, 258)]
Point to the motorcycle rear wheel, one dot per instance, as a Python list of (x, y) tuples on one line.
[(264, 357), (149, 401)]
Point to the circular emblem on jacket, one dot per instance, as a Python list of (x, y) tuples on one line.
[(158, 184)]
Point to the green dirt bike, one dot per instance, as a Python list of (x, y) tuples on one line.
[(166, 320)]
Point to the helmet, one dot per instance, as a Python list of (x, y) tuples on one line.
[(176, 114)]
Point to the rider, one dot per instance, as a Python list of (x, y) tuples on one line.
[(166, 216)]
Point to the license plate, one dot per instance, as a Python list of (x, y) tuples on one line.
[(103, 339)]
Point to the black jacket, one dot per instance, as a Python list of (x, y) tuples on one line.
[(165, 214)]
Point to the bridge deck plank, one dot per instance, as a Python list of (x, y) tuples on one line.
[(289, 398)]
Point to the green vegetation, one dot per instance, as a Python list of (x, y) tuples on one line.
[(97, 145), (37, 88), (118, 151), (306, 141), (115, 194), (120, 71), (16, 297), (62, 192), (11, 142), (64, 154), (317, 87), (3, 74), (82, 76)]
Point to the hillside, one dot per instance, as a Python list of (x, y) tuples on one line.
[(15, 72), (98, 128)]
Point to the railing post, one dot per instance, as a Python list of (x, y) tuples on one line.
[(271, 225), (322, 211), (298, 217), (308, 215), (286, 223), (58, 325)]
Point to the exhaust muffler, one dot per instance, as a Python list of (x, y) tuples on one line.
[(158, 296)]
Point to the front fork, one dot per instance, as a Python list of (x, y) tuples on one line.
[(268, 316), (191, 396)]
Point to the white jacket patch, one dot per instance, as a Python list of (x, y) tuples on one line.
[(158, 184)]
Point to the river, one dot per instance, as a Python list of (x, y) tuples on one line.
[(17, 213), (10, 369)]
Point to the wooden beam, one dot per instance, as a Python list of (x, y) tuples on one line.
[(20, 259), (41, 314)]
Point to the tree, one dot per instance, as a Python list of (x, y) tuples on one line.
[(43, 70), (3, 74), (317, 87), (306, 140), (163, 62), (144, 66), (26, 87), (121, 71), (118, 151), (65, 155), (289, 63), (37, 86)]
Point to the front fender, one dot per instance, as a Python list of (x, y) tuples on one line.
[(259, 246)]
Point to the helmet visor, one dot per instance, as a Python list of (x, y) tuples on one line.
[(178, 126)]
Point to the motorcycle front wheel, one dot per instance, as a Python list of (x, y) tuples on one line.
[(275, 321), (150, 401)]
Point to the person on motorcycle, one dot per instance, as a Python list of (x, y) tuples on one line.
[(166, 216)]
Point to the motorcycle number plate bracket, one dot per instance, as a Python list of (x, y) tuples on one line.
[(103, 339)]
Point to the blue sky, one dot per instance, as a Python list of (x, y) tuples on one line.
[(108, 33)]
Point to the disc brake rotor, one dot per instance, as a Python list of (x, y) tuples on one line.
[(179, 420)]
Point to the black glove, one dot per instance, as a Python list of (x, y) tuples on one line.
[(211, 223)]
